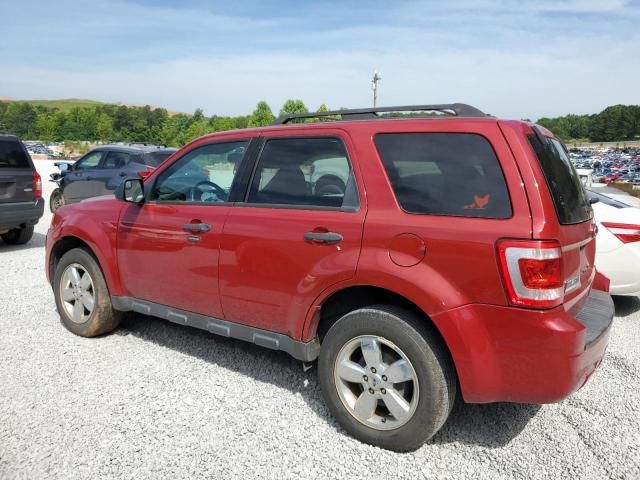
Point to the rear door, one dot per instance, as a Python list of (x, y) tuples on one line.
[(290, 241), (79, 183), (16, 172)]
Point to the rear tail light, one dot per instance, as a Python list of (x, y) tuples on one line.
[(532, 272), (145, 173), (37, 185), (624, 232)]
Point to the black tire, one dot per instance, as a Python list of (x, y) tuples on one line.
[(18, 236), (103, 318), (56, 200), (432, 364)]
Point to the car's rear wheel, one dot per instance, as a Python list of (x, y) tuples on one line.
[(18, 236), (56, 200), (82, 296), (386, 377)]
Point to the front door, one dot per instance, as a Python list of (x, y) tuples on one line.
[(168, 248), (79, 182), (298, 233)]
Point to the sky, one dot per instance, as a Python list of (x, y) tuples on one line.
[(513, 59)]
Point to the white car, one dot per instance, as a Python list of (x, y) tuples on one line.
[(618, 243)]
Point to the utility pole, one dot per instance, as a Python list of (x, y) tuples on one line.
[(374, 86)]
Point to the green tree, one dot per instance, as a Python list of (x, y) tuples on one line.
[(293, 106), (104, 128), (20, 118), (46, 127), (261, 116)]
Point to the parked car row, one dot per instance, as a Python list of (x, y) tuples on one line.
[(416, 260), (611, 165)]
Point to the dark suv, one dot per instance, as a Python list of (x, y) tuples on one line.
[(21, 202), (450, 256), (100, 171)]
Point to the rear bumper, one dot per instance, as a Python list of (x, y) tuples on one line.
[(505, 354), (13, 215)]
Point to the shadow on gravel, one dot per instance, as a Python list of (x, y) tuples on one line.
[(626, 305), (37, 241), (492, 425)]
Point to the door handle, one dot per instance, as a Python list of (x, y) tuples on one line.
[(197, 227), (328, 238), (123, 174)]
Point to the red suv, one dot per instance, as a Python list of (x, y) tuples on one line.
[(417, 259)]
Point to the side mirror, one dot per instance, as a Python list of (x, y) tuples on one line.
[(131, 190)]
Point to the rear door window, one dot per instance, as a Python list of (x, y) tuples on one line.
[(304, 172), (456, 174), (116, 160), (12, 155), (568, 194)]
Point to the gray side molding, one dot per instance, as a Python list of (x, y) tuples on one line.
[(307, 352)]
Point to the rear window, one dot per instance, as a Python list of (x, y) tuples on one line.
[(568, 194), (154, 159), (456, 174), (12, 155)]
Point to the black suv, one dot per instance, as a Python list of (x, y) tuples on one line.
[(100, 171), (21, 202)]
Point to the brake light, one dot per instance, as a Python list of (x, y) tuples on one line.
[(532, 272), (624, 232), (145, 173), (37, 185)]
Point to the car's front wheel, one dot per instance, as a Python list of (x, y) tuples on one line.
[(386, 377), (82, 296)]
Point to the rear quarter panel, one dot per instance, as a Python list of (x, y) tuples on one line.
[(460, 264)]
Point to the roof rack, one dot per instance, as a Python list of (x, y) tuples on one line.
[(455, 109)]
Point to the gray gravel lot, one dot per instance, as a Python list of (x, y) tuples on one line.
[(159, 400)]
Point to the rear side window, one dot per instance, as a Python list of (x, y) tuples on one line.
[(116, 160), (154, 159), (12, 155), (456, 174), (568, 194)]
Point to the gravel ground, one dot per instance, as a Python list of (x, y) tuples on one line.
[(160, 400)]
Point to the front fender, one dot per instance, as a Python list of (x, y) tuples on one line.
[(97, 227)]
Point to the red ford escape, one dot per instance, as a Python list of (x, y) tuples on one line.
[(416, 259)]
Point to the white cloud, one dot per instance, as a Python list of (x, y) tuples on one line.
[(511, 59)]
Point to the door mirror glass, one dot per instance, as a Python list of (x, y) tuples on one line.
[(131, 190)]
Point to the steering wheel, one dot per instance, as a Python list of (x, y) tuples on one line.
[(211, 187)]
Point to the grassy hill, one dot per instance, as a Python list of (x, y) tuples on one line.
[(64, 104)]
